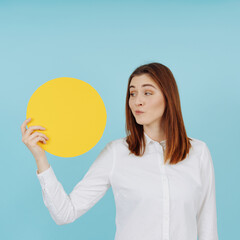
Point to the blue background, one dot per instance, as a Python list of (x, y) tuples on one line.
[(102, 42)]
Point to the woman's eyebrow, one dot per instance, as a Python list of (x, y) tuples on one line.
[(144, 85)]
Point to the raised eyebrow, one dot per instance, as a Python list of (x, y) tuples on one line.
[(144, 85)]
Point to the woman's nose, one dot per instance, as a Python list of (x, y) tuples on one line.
[(138, 100)]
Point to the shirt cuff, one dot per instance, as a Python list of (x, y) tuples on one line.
[(47, 177)]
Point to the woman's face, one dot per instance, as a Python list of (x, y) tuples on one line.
[(146, 96)]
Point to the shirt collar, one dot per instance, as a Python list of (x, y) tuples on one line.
[(148, 140)]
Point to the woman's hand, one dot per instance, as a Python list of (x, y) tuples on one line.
[(30, 139)]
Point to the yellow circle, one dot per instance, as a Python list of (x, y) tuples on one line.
[(73, 114)]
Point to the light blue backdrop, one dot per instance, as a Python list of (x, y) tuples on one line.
[(102, 42)]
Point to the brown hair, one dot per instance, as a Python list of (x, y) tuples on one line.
[(178, 143)]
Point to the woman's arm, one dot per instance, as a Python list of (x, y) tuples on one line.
[(207, 212), (65, 208)]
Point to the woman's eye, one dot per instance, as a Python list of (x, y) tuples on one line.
[(131, 94)]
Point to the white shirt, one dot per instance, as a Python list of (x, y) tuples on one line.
[(153, 201)]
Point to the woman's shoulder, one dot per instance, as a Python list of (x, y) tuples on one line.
[(198, 145), (197, 141), (118, 143)]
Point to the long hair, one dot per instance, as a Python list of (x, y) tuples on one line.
[(177, 142)]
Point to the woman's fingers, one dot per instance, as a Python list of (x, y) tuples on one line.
[(36, 134), (30, 139), (23, 126), (37, 139), (28, 135), (32, 128), (34, 138)]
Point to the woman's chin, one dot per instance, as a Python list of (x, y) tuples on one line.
[(140, 122)]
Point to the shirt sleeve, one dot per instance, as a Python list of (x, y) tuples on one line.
[(65, 208), (207, 212)]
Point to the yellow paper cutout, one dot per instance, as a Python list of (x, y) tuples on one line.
[(73, 114)]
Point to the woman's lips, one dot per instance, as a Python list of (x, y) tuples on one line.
[(138, 112)]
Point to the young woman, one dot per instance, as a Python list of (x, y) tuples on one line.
[(163, 181)]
